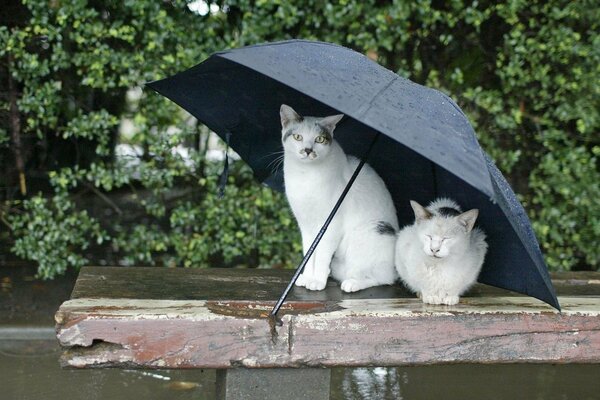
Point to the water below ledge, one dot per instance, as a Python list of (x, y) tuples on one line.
[(29, 370)]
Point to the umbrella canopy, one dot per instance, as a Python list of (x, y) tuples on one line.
[(428, 148)]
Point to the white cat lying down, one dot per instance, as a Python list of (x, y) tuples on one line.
[(439, 257), (358, 247)]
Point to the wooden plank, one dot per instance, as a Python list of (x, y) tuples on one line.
[(206, 284), (216, 318), (260, 285), (350, 332)]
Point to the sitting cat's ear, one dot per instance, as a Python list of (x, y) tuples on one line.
[(288, 115), (421, 213), (467, 219), (329, 123)]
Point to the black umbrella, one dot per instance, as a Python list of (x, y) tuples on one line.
[(426, 147)]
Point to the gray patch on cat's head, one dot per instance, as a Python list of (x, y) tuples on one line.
[(290, 121), (326, 133), (447, 212), (320, 126), (287, 133), (385, 228)]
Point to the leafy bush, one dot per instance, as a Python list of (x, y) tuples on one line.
[(525, 73), (52, 231)]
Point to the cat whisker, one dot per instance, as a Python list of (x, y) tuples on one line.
[(272, 154), (277, 163), (274, 165)]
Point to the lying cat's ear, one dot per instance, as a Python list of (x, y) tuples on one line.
[(288, 115), (467, 219), (421, 213), (329, 123)]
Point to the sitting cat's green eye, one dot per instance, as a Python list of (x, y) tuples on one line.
[(320, 139), (297, 137)]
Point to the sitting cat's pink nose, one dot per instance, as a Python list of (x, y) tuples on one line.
[(434, 250), (308, 151)]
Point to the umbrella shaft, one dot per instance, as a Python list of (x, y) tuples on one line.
[(313, 246)]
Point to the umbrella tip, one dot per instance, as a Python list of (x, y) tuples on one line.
[(274, 322)]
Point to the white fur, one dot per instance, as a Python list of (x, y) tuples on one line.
[(351, 251), (439, 257)]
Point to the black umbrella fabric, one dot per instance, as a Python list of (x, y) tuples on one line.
[(427, 148)]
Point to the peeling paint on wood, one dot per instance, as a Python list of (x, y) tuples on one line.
[(179, 334), (325, 332)]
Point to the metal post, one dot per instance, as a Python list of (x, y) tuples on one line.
[(259, 383)]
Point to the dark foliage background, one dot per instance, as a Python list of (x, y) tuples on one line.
[(526, 73)]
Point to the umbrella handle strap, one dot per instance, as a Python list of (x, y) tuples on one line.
[(273, 314), (225, 174)]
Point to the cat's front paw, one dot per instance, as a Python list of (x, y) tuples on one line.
[(449, 300), (438, 299), (431, 298), (301, 281), (312, 283), (351, 285)]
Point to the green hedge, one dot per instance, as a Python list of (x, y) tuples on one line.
[(525, 72)]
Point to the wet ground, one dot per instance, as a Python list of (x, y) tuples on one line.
[(29, 366)]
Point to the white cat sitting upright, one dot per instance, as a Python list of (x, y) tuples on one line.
[(358, 247), (439, 257)]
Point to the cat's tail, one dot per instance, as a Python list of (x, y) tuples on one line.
[(385, 228)]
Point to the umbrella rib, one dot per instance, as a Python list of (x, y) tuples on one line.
[(370, 103), (273, 315)]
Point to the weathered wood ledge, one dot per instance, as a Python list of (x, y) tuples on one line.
[(176, 318)]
